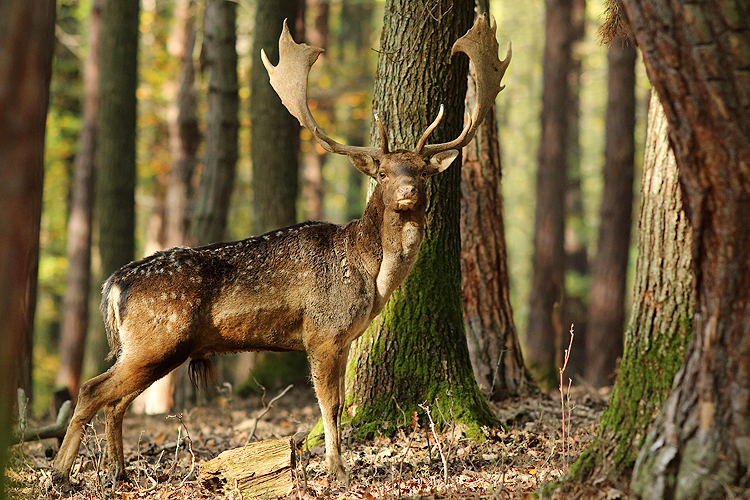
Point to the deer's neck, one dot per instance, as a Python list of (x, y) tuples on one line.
[(388, 242)]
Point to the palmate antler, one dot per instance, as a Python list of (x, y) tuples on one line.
[(289, 80), (480, 45)]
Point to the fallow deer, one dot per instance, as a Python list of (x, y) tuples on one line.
[(313, 287)]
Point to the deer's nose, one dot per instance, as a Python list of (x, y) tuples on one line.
[(407, 192)]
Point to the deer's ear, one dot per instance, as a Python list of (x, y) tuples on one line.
[(365, 164), (441, 161)]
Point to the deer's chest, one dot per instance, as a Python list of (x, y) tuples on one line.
[(399, 256)]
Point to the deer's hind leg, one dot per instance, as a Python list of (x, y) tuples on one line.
[(115, 390), (113, 417)]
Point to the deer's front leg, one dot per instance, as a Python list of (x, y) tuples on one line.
[(328, 366)]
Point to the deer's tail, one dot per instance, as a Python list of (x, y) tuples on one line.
[(202, 372), (114, 300)]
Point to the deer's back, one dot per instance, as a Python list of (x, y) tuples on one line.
[(262, 293)]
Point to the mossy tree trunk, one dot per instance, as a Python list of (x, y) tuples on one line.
[(661, 319), (697, 57), (415, 352)]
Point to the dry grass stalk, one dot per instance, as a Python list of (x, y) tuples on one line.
[(563, 399)]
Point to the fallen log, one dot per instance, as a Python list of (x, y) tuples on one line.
[(261, 469), (56, 430)]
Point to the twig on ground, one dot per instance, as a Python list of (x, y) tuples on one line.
[(266, 409), (97, 457), (177, 447), (437, 441)]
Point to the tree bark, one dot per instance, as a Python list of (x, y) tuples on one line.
[(661, 321), (697, 58), (184, 134), (219, 58), (546, 300), (274, 133), (576, 236), (609, 273), (494, 349), (26, 43), (116, 135), (312, 190), (392, 367), (76, 300)]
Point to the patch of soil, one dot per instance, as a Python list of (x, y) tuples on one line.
[(164, 452)]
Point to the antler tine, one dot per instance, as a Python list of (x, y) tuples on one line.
[(289, 80), (480, 44), (383, 135)]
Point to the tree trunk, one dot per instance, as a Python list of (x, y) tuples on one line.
[(312, 192), (392, 367), (354, 47), (115, 148), (274, 133), (697, 58), (27, 43), (173, 204), (609, 274), (661, 321), (546, 301), (219, 57), (576, 237), (184, 135), (76, 300), (494, 349)]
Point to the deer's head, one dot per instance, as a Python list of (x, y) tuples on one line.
[(400, 174)]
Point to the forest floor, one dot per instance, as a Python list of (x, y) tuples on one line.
[(164, 453)]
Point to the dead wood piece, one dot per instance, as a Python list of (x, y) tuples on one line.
[(262, 469), (56, 430)]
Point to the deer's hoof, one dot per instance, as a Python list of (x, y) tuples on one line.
[(337, 472), (61, 483)]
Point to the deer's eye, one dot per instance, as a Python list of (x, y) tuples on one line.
[(383, 175)]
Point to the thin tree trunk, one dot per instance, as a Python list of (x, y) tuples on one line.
[(274, 133), (697, 59), (576, 238), (219, 59), (26, 43), (661, 322), (116, 135), (546, 300), (609, 274), (76, 300), (488, 316), (184, 135), (392, 366), (172, 214), (313, 184)]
